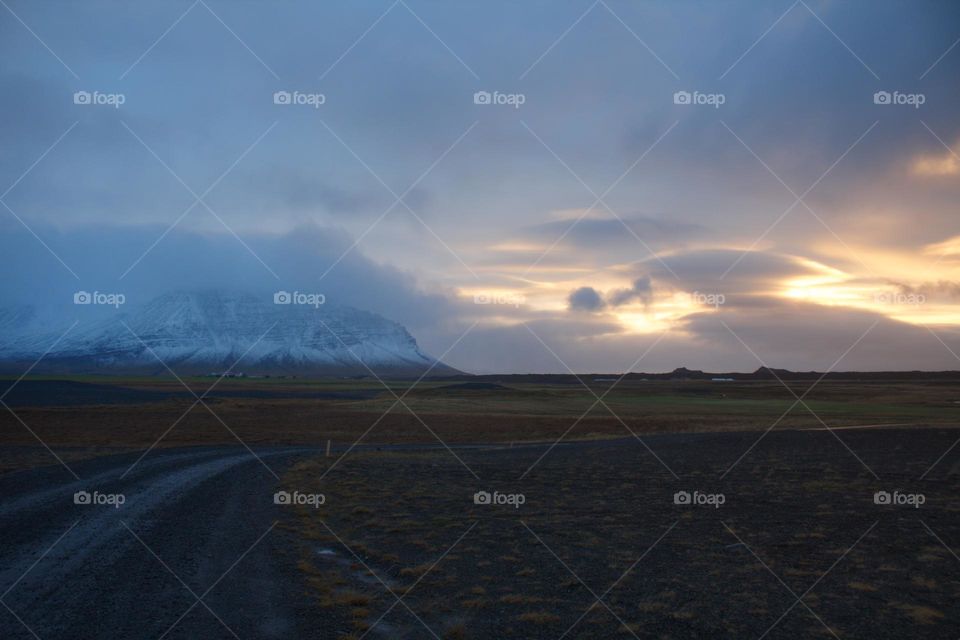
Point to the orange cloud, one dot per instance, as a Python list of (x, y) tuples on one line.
[(947, 164)]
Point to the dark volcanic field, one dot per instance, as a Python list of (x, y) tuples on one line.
[(583, 536), (599, 522), (399, 549)]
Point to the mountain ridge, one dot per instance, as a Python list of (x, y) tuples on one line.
[(200, 332)]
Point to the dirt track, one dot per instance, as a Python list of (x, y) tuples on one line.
[(198, 511)]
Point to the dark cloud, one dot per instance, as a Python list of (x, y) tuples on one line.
[(642, 291), (297, 189), (631, 231), (803, 336), (586, 299), (736, 274), (941, 290), (187, 260)]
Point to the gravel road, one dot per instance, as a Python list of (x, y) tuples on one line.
[(194, 524)]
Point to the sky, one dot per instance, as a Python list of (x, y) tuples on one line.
[(538, 186)]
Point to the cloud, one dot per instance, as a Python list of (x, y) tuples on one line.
[(944, 164), (299, 189), (940, 290), (739, 275), (793, 335), (594, 231), (586, 299), (641, 291), (100, 256), (804, 336)]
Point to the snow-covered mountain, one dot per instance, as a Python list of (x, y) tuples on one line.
[(211, 331)]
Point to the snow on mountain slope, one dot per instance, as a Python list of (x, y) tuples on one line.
[(210, 331)]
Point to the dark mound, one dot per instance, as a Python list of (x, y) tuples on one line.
[(471, 386), (279, 394), (69, 393)]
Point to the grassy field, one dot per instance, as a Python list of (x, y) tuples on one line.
[(90, 415)]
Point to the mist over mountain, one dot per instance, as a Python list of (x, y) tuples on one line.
[(211, 331)]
